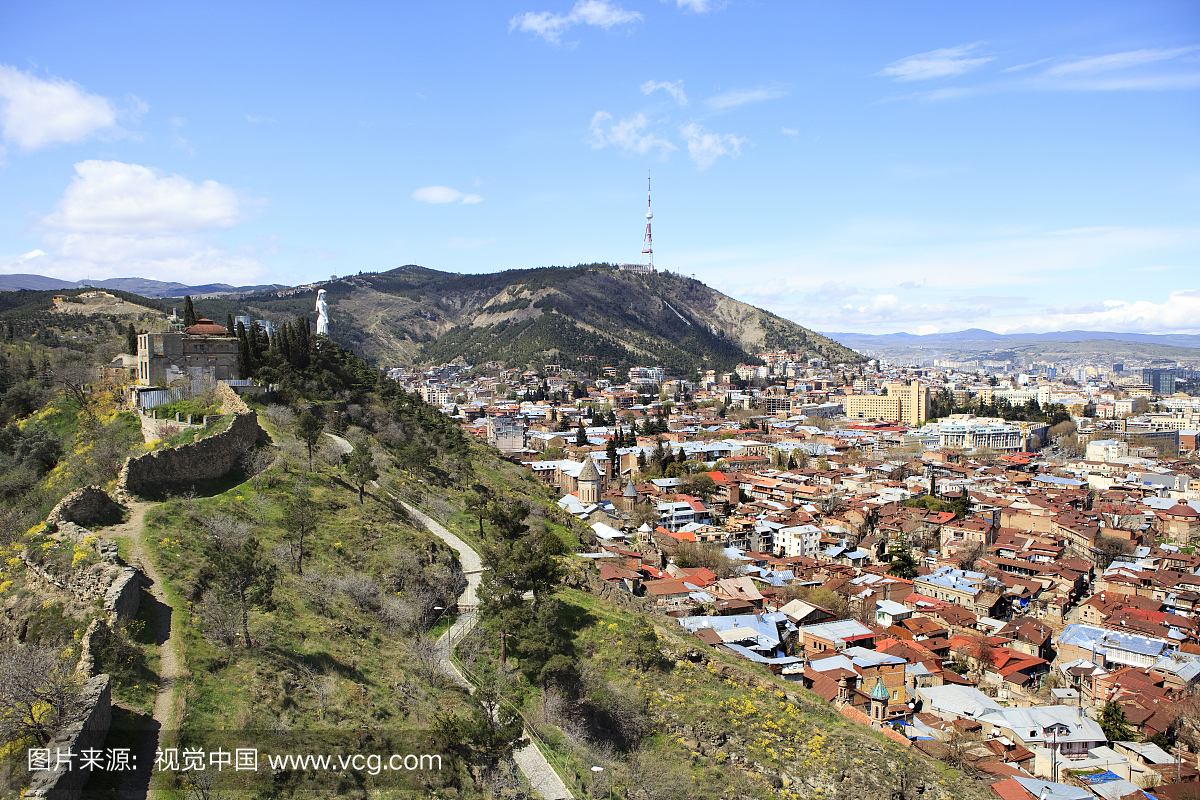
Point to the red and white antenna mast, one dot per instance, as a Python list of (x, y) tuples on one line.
[(648, 250)]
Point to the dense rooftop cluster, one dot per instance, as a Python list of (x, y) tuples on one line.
[(1000, 570)]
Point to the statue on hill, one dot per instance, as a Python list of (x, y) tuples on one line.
[(322, 313)]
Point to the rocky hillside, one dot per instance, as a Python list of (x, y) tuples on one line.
[(414, 315), (557, 314)]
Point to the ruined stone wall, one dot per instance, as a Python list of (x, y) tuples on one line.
[(86, 731), (81, 507), (118, 586), (155, 429), (231, 401), (184, 465)]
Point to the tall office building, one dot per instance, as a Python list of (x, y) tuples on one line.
[(1161, 381)]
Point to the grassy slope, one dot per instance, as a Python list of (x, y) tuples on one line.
[(263, 689), (704, 714)]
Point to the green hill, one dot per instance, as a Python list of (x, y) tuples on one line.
[(416, 316)]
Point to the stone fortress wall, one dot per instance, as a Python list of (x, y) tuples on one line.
[(206, 459)]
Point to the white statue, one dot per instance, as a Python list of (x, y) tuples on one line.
[(322, 313)]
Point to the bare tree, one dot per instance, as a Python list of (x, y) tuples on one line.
[(318, 590), (39, 691), (221, 620), (985, 455), (225, 532), (258, 463), (1109, 548), (322, 687), (361, 590), (958, 748), (970, 553), (75, 378), (280, 416), (261, 506), (428, 658)]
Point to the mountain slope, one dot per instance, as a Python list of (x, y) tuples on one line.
[(145, 287), (538, 316)]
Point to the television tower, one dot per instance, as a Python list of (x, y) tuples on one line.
[(648, 249)]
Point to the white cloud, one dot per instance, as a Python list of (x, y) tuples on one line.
[(628, 134), (122, 220), (1179, 313), (739, 97), (1020, 67), (786, 131), (36, 113), (944, 63), (705, 147), (444, 194), (1135, 83), (1111, 61), (699, 6), (902, 274), (177, 140), (675, 89), (551, 26), (111, 196)]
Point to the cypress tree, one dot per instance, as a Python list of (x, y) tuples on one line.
[(245, 358), (303, 343), (131, 340), (189, 312), (255, 338), (30, 369), (229, 324), (285, 342)]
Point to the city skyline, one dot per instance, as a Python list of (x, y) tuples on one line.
[(911, 168)]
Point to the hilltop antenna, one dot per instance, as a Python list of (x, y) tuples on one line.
[(648, 249)]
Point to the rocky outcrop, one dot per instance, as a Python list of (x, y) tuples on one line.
[(591, 583), (82, 507), (86, 730), (231, 401)]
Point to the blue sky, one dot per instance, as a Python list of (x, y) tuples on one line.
[(855, 167)]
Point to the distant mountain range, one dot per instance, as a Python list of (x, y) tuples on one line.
[(143, 286), (979, 339)]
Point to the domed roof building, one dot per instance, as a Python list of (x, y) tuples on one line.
[(206, 327)]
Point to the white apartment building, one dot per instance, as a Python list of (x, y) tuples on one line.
[(1106, 450), (1020, 397), (654, 375), (972, 433), (800, 540), (435, 395)]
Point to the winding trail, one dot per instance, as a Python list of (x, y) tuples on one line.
[(537, 770), (165, 636), (541, 776)]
